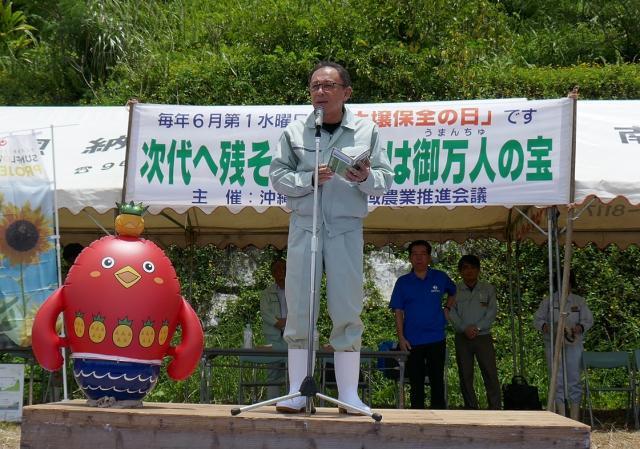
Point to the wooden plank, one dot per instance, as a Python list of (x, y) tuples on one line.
[(72, 425)]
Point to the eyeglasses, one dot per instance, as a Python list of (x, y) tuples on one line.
[(327, 87)]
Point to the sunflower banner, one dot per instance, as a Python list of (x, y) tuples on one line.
[(28, 264)]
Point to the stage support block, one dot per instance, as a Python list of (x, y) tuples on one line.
[(72, 425)]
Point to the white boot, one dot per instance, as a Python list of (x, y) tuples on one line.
[(347, 366), (297, 360), (574, 411)]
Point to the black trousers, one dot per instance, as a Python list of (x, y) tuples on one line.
[(427, 360), (481, 348)]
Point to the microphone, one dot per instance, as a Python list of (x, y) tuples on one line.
[(319, 113)]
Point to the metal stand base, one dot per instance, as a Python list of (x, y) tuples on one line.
[(309, 389)]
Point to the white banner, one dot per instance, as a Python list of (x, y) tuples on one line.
[(608, 140), (470, 153)]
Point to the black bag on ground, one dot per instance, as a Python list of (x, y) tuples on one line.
[(519, 395)]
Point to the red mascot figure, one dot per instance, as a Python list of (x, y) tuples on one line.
[(121, 303)]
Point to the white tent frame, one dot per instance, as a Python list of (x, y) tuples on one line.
[(225, 226)]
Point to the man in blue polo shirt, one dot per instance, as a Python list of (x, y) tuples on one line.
[(417, 302)]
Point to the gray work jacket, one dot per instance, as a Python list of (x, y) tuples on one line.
[(475, 307), (342, 204)]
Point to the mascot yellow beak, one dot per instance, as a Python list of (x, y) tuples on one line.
[(127, 276)]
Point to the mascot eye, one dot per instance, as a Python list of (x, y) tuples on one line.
[(108, 262), (149, 267)]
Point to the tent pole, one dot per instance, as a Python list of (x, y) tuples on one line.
[(192, 251), (131, 104), (65, 392), (568, 251), (556, 241), (511, 308), (551, 311), (97, 223), (533, 223), (579, 213), (519, 311), (519, 291), (56, 217), (556, 248)]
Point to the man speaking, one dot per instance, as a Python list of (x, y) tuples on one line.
[(342, 204)]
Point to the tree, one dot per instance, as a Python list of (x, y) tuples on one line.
[(16, 34)]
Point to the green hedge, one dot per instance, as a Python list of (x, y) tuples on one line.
[(609, 82)]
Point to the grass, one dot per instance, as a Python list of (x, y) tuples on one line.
[(615, 439), (9, 435)]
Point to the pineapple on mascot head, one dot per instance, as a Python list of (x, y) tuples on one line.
[(121, 304)]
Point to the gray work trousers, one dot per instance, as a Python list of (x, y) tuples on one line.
[(481, 349), (341, 258), (573, 359)]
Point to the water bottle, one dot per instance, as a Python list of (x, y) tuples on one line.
[(247, 337)]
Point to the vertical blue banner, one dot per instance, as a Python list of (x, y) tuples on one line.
[(28, 263)]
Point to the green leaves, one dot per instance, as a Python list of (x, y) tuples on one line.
[(16, 34), (260, 52), (227, 282)]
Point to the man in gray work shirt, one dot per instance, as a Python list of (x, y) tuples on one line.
[(472, 316)]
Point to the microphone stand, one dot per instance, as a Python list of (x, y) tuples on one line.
[(309, 387)]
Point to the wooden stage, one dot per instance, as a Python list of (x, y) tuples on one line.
[(72, 425)]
